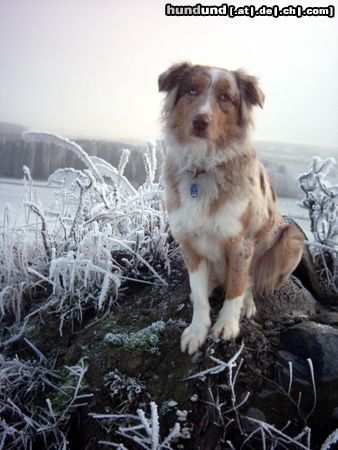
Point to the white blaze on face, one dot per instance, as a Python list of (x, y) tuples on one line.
[(206, 108), (215, 75)]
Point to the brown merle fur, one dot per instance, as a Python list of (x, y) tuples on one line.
[(265, 249)]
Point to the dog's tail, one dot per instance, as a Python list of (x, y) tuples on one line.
[(279, 261)]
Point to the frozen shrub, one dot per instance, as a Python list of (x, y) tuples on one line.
[(140, 430), (99, 233), (321, 201)]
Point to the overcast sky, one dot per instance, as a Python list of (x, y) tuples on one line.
[(90, 68)]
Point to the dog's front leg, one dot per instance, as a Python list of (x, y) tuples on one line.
[(195, 334), (227, 324)]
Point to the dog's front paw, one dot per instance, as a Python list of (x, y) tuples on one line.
[(193, 338), (226, 329)]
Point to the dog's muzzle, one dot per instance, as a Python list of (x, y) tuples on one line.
[(200, 125)]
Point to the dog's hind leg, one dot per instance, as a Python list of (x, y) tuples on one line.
[(279, 261)]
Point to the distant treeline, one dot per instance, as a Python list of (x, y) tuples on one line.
[(43, 158), (284, 161)]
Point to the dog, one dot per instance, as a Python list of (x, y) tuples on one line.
[(220, 201)]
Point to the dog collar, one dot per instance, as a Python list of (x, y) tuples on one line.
[(198, 171), (194, 190)]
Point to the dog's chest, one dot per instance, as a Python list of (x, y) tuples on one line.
[(195, 218)]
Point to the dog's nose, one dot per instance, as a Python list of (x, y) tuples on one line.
[(201, 122)]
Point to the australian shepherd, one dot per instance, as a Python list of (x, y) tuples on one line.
[(220, 201)]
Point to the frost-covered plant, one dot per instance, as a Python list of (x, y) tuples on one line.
[(140, 430), (234, 364), (18, 247), (126, 390), (17, 276), (146, 339), (321, 201), (99, 233), (26, 414)]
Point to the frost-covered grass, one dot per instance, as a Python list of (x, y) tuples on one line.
[(99, 233), (28, 417)]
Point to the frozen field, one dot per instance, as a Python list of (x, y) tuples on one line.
[(12, 194)]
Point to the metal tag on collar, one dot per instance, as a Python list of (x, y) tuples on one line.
[(194, 190)]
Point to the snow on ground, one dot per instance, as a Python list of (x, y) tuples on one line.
[(12, 194)]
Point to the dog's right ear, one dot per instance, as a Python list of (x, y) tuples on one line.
[(171, 77)]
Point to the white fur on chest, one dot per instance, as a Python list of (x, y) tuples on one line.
[(193, 220)]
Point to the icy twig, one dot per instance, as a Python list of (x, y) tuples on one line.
[(39, 354), (83, 189), (270, 431), (330, 440), (40, 214), (51, 138), (309, 361), (221, 365)]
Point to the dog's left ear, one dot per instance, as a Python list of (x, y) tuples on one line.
[(249, 89)]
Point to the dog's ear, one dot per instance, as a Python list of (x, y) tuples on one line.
[(249, 90), (169, 79), (250, 95)]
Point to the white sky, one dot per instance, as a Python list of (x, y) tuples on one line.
[(90, 68)]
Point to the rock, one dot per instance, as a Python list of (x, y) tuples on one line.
[(316, 341), (327, 318), (320, 343), (307, 271), (292, 302)]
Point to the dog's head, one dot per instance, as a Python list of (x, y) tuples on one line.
[(208, 103)]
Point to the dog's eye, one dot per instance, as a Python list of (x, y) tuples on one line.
[(192, 91), (224, 98)]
